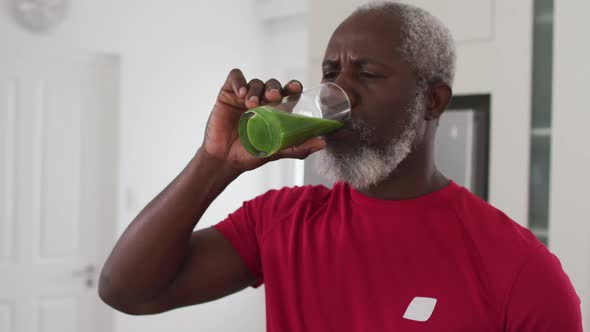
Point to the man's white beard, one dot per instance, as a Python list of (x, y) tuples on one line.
[(370, 165)]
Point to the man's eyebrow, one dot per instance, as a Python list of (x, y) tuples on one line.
[(359, 61), (329, 63), (369, 61)]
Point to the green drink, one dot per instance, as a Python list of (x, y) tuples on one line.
[(265, 130)]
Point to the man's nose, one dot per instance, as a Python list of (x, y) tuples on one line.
[(347, 84)]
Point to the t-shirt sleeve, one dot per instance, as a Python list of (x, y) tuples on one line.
[(543, 298), (242, 229)]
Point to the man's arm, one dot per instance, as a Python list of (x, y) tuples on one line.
[(157, 260), (159, 263), (543, 298)]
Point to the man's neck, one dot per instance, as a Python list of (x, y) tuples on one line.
[(413, 178)]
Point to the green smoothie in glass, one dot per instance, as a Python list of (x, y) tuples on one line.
[(265, 130)]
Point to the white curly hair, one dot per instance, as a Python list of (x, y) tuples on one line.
[(426, 42)]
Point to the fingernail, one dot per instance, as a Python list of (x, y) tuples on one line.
[(242, 91), (273, 90), (254, 99)]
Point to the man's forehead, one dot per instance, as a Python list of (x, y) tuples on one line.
[(368, 34), (373, 24)]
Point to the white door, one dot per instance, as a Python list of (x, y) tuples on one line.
[(58, 138)]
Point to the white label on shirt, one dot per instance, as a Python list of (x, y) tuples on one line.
[(420, 309)]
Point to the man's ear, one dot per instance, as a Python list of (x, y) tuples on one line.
[(438, 97)]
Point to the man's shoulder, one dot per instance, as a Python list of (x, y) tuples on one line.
[(494, 234), (501, 246), (481, 214)]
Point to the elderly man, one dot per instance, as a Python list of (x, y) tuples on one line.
[(394, 246)]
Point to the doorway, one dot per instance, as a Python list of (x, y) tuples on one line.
[(58, 173)]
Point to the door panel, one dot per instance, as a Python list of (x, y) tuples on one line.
[(58, 315), (6, 314), (57, 189), (7, 149), (60, 189)]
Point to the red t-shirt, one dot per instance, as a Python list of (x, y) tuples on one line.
[(336, 260)]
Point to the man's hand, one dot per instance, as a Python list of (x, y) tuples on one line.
[(236, 96)]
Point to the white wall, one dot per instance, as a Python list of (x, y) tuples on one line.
[(175, 56), (569, 214)]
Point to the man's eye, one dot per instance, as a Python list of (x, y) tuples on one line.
[(330, 75), (368, 74)]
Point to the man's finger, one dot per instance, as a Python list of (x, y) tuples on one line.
[(272, 90), (236, 82), (255, 92), (292, 88)]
